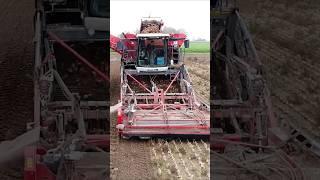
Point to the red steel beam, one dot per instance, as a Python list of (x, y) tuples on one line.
[(168, 127), (139, 83), (165, 92), (167, 132), (174, 105), (175, 120), (46, 59), (100, 140), (78, 56)]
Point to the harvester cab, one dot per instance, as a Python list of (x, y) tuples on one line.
[(160, 51), (151, 49), (152, 52)]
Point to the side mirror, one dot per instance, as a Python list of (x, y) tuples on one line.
[(120, 45), (186, 43)]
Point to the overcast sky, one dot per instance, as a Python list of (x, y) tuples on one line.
[(191, 15)]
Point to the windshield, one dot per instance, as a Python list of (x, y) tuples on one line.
[(152, 53)]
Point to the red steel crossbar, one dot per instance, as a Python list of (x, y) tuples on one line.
[(139, 83), (79, 57), (176, 120), (168, 127), (46, 59), (165, 92)]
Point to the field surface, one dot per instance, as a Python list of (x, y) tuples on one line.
[(198, 47)]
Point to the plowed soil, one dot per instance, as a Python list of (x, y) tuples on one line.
[(286, 35), (16, 74), (198, 66)]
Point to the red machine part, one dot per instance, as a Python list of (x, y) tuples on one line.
[(120, 120), (33, 169), (181, 38), (120, 116), (129, 42), (163, 118), (99, 140), (113, 43), (130, 36), (30, 163), (218, 144)]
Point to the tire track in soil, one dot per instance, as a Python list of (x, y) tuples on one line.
[(130, 159), (16, 68), (295, 82)]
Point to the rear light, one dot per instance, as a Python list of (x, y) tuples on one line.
[(29, 163), (120, 116)]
